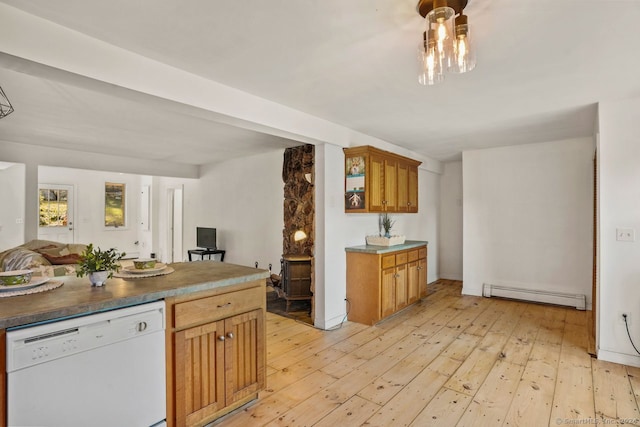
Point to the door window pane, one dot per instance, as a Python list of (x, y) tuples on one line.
[(53, 207), (114, 205)]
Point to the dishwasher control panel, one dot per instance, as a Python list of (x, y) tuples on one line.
[(29, 346)]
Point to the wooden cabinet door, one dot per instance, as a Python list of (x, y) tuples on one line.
[(199, 373), (412, 189), (401, 287), (376, 173), (390, 185), (403, 187), (422, 277), (244, 341), (387, 292), (413, 282)]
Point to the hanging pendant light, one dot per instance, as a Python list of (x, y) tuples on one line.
[(464, 54), (446, 43), (5, 106)]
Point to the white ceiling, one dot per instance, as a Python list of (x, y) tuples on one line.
[(542, 67)]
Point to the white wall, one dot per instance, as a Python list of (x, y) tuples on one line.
[(89, 206), (528, 217), (329, 258), (619, 204), (243, 200), (450, 248), (12, 197), (48, 156)]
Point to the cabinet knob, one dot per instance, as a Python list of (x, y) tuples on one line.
[(396, 275), (221, 338), (419, 268), (230, 335)]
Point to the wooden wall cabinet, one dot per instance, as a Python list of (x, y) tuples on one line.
[(381, 284), (216, 354), (380, 181)]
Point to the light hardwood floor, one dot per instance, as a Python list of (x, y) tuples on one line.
[(450, 360)]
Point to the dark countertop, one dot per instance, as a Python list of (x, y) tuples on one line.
[(373, 249), (77, 296)]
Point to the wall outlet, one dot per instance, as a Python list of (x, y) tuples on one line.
[(621, 317), (625, 234)]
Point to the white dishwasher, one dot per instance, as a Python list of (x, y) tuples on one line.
[(104, 369)]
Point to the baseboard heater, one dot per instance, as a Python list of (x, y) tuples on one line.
[(573, 300)]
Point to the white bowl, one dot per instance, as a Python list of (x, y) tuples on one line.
[(144, 263), (15, 277)]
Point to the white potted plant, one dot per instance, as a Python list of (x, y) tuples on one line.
[(99, 265), (385, 222)]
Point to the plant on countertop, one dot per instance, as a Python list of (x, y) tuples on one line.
[(386, 223), (93, 260)]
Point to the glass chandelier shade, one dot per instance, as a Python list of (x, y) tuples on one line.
[(429, 68), (440, 28), (464, 54)]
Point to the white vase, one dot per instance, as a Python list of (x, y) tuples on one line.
[(98, 278)]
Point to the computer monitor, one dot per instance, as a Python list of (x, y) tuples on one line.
[(206, 238)]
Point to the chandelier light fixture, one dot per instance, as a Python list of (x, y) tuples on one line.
[(5, 106), (446, 41)]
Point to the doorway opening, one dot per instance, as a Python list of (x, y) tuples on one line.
[(55, 213), (175, 222)]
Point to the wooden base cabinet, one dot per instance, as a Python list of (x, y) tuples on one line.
[(379, 285), (218, 355)]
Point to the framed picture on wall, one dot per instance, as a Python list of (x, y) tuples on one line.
[(354, 200), (354, 182)]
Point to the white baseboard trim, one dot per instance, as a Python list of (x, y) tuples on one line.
[(468, 290), (331, 323), (621, 358), (453, 276), (578, 301)]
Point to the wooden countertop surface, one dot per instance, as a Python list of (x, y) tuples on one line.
[(77, 296)]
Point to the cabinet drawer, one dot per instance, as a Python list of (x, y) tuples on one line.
[(388, 261), (413, 255), (422, 253), (205, 310), (401, 258)]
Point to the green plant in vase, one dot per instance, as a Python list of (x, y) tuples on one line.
[(99, 265), (386, 223)]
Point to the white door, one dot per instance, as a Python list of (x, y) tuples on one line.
[(174, 238), (55, 206)]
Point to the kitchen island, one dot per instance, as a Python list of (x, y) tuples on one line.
[(206, 301)]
